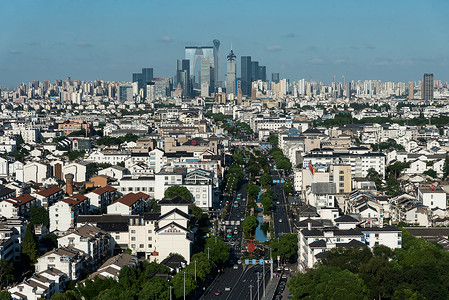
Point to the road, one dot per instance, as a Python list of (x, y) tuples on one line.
[(280, 216)]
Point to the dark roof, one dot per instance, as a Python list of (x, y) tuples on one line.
[(304, 223), (175, 224), (313, 232), (176, 210), (113, 227), (151, 216), (346, 219), (102, 218), (352, 243), (173, 261), (318, 244), (177, 200), (307, 211), (321, 255), (6, 191)]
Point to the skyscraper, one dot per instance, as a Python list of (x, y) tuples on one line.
[(411, 88), (262, 73), (195, 53), (427, 87), (254, 70), (207, 77), (246, 75), (217, 63), (183, 76), (231, 72), (275, 77), (142, 79)]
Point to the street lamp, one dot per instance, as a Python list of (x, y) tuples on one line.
[(251, 292), (258, 287), (170, 288), (184, 285), (208, 250)]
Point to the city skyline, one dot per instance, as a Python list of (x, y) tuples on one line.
[(310, 41)]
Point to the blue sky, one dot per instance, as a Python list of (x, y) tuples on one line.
[(109, 40)]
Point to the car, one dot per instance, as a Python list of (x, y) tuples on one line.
[(217, 293), (277, 202), (239, 262), (280, 220), (236, 267), (286, 268), (227, 289)]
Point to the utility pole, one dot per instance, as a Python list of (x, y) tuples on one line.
[(271, 264), (208, 250), (195, 269), (263, 275), (250, 292)]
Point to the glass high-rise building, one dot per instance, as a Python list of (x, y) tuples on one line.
[(231, 73), (427, 87), (262, 73), (275, 77), (217, 63), (195, 53), (254, 70), (245, 75), (183, 76)]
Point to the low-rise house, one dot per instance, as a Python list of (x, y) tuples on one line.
[(130, 204), (64, 213), (69, 260), (101, 197), (12, 232), (431, 196), (111, 268), (18, 206), (48, 196)]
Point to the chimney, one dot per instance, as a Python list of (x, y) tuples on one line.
[(69, 184)]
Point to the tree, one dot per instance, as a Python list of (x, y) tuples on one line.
[(288, 187), (446, 167), (5, 295), (373, 175), (219, 251), (252, 190), (328, 283), (286, 246), (397, 168), (431, 172), (178, 284), (6, 272), (177, 190), (39, 215), (50, 241), (266, 180), (74, 155), (273, 140), (154, 289), (250, 224), (29, 245)]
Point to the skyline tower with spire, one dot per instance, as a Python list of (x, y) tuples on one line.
[(231, 72)]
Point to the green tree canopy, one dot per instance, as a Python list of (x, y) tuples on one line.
[(266, 180), (177, 190), (39, 215), (273, 140), (6, 272), (328, 283), (250, 224), (29, 245), (286, 246), (252, 190)]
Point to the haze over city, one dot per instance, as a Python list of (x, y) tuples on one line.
[(108, 40)]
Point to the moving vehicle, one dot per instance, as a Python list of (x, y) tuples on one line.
[(227, 289), (217, 293), (280, 220)]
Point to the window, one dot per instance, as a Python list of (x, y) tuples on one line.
[(149, 231), (133, 238), (133, 231), (117, 237), (376, 235), (399, 234), (342, 178), (399, 243), (150, 238), (338, 239), (133, 246), (376, 244), (367, 235), (149, 245), (141, 246), (341, 184), (341, 172)]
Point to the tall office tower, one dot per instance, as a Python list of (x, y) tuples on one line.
[(254, 71), (195, 53), (125, 93), (335, 80), (217, 63), (411, 88), (348, 91), (147, 76), (183, 76), (245, 75), (262, 73), (137, 77), (427, 87), (231, 72), (275, 77), (342, 80), (207, 77)]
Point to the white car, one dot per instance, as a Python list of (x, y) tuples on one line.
[(280, 220)]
